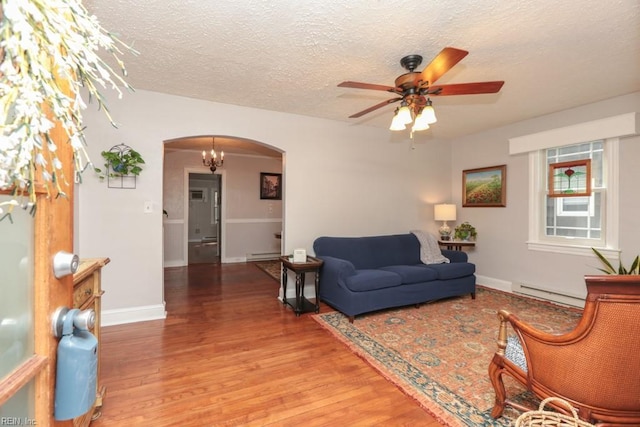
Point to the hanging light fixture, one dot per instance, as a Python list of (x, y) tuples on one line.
[(213, 163), (396, 123), (424, 116), (429, 113)]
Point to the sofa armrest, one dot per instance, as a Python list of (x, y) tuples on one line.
[(334, 269), (455, 256)]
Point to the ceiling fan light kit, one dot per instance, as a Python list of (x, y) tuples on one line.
[(414, 89)]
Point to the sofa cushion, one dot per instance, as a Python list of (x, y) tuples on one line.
[(453, 270), (368, 280), (371, 252), (412, 273)]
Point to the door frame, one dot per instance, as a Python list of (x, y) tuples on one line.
[(53, 232), (222, 241)]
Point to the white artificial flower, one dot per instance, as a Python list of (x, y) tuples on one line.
[(34, 35)]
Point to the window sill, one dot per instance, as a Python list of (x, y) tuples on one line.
[(611, 254)]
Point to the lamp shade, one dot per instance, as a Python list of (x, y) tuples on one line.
[(429, 114), (444, 212), (397, 124), (404, 115), (420, 123)]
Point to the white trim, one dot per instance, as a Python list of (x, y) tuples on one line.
[(560, 248), (610, 127), (490, 282), (252, 220), (612, 203), (534, 291), (132, 315), (175, 263), (173, 221)]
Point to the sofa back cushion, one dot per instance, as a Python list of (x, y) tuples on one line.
[(372, 251)]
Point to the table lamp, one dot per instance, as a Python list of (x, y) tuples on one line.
[(445, 213)]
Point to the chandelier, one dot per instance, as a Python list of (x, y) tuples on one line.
[(416, 109), (213, 163)]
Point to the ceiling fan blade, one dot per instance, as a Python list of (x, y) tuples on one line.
[(466, 88), (446, 59), (375, 107), (358, 85)]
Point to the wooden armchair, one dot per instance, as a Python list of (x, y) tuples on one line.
[(595, 367)]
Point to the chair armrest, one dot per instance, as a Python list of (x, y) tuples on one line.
[(455, 256)]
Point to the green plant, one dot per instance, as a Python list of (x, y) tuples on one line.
[(609, 269), (121, 163), (465, 231)]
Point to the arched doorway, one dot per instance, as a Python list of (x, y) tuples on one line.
[(248, 225)]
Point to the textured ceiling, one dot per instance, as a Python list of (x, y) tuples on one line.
[(289, 55)]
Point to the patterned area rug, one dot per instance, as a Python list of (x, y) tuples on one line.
[(272, 267), (439, 353)]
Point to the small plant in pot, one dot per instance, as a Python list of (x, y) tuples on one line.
[(634, 269), (465, 231), (121, 161)]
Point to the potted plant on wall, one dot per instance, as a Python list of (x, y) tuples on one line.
[(121, 160)]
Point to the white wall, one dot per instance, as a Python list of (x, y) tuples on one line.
[(501, 253), (339, 179)]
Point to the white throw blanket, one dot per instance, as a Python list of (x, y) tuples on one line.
[(429, 248)]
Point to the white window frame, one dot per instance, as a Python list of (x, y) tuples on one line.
[(539, 241), (589, 212), (609, 129)]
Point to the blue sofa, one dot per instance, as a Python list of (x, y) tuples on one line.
[(363, 274)]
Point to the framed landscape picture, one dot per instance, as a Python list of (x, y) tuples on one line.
[(485, 187), (270, 186)]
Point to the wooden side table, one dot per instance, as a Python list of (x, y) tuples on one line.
[(300, 304), (87, 294), (456, 245)]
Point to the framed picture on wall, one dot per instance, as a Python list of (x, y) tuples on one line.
[(270, 186), (485, 187), (570, 179)]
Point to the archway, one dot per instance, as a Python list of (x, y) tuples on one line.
[(248, 224)]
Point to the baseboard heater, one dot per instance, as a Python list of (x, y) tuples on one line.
[(547, 294), (263, 256)]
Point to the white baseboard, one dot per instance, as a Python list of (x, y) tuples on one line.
[(490, 282), (175, 263), (531, 291), (132, 315)]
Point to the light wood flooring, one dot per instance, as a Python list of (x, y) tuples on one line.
[(229, 354)]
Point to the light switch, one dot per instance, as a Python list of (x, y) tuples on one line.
[(148, 207)]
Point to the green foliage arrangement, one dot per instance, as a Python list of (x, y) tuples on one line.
[(465, 231), (121, 163), (609, 269)]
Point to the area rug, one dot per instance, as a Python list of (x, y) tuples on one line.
[(439, 353), (272, 267)]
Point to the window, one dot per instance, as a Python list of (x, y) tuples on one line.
[(577, 218), (572, 225)]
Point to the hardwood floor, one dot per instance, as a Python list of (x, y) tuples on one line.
[(229, 354)]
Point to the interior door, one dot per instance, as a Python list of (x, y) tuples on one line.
[(29, 294)]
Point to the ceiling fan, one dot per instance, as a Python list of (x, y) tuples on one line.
[(414, 88)]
